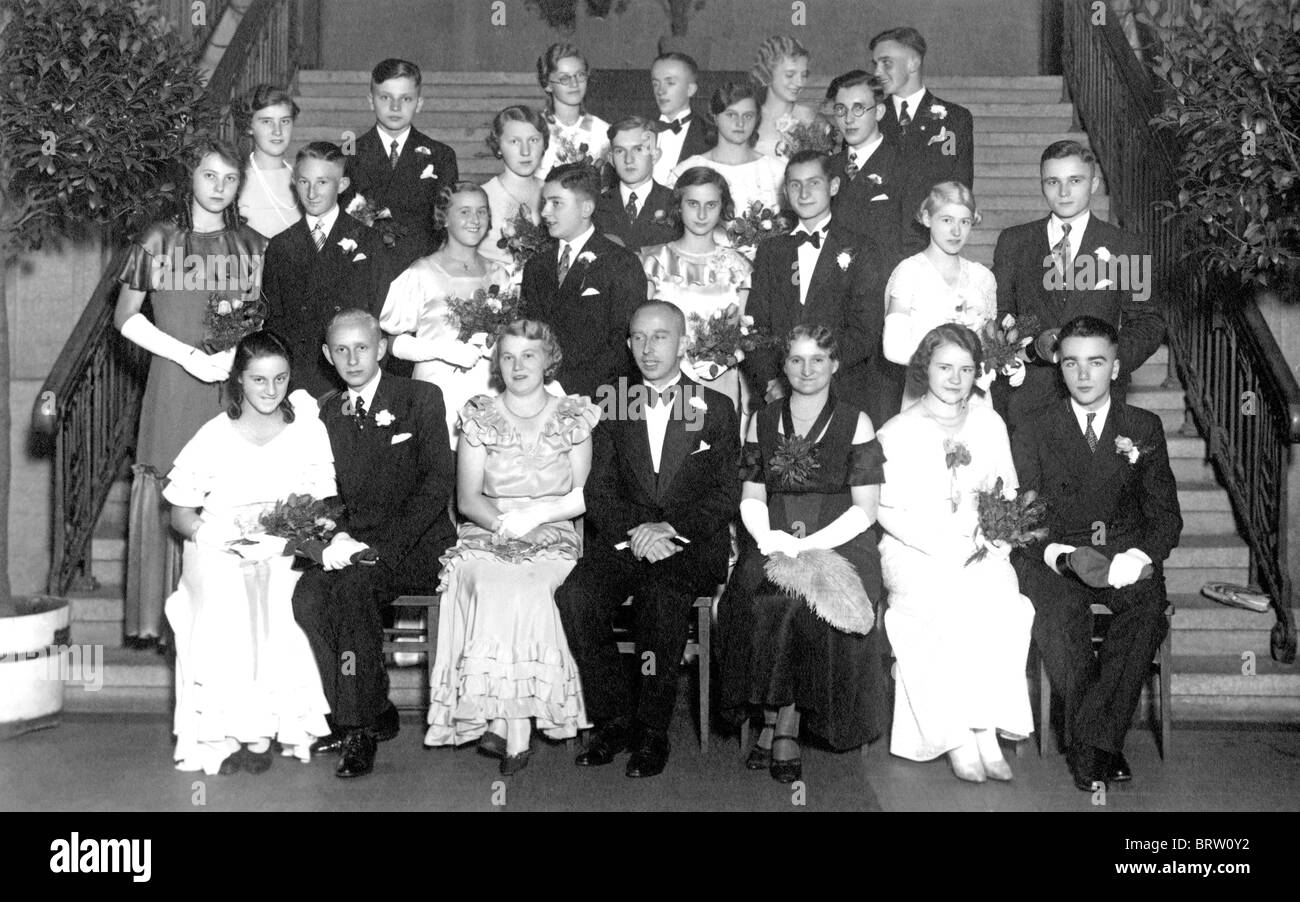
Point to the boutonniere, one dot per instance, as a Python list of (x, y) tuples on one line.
[(421, 149), (875, 179), (348, 245), (428, 172), (698, 404), (660, 217), (384, 418), (1102, 254), (844, 259), (938, 110), (1126, 447), (955, 454), (586, 258)]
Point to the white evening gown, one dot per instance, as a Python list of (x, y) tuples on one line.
[(244, 668), (960, 633)]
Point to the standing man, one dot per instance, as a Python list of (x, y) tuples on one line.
[(674, 77), (635, 209)]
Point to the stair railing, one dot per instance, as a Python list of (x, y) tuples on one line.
[(89, 406), (1242, 394)]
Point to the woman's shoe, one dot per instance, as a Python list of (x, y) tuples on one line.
[(998, 770), (492, 745), (990, 752), (513, 764), (967, 766), (255, 762), (759, 758), (789, 769)]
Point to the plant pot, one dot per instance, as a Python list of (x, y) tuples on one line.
[(33, 638)]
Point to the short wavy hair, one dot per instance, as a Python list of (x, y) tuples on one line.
[(942, 334), (259, 98), (250, 348), (533, 330), (517, 113), (823, 336), (734, 92), (771, 52), (547, 64), (948, 193), (694, 177)]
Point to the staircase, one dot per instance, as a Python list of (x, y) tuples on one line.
[(1014, 119)]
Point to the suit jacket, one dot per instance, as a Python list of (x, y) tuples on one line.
[(1138, 502), (696, 489), (850, 300), (924, 163), (396, 489), (698, 138), (304, 288), (589, 312), (873, 209), (647, 229), (1021, 263), (402, 190)]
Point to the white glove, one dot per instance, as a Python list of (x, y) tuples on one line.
[(411, 347), (204, 367), (1053, 551), (848, 525), (996, 548), (778, 541), (216, 534), (208, 367), (1015, 373), (517, 523), (897, 341), (460, 354), (478, 339), (985, 380), (338, 553), (1125, 568), (753, 513)]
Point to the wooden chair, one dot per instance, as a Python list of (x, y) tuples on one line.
[(1162, 664), (422, 639)]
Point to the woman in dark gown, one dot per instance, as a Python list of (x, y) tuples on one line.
[(777, 654)]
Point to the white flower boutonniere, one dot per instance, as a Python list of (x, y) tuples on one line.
[(587, 258), (844, 260), (428, 172), (1124, 446), (384, 418), (939, 111), (1102, 254), (421, 149), (875, 179), (698, 403), (348, 245)]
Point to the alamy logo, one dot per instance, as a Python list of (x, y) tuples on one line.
[(1100, 270), (206, 272), (103, 856), (70, 663), (626, 400)]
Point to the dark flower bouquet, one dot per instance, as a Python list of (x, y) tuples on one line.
[(721, 340), (307, 523), (795, 460), (521, 237), (228, 318), (487, 310), (1003, 341), (1017, 521), (566, 152), (381, 220), (816, 135), (757, 224)]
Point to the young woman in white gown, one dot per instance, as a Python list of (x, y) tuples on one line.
[(415, 312), (781, 68), (562, 72), (266, 197), (960, 633), (519, 138), (245, 673)]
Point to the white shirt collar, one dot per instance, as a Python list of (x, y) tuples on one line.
[(822, 226), (913, 102), (326, 220), (863, 151), (387, 140), (671, 382), (1078, 226), (679, 115), (367, 392), (1098, 422), (642, 191), (577, 244)]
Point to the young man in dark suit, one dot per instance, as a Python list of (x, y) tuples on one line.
[(396, 474), (635, 210), (819, 274), (935, 138), (674, 77), (1069, 264), (323, 263), (1113, 517), (661, 495), (585, 286)]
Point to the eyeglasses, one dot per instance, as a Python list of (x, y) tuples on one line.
[(857, 111), (578, 78)]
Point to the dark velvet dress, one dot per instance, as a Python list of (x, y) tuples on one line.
[(775, 650)]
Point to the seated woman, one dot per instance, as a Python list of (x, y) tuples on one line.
[(812, 469), (502, 657), (417, 302), (244, 671), (695, 273), (518, 139), (960, 632)]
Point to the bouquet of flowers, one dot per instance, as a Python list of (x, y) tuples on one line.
[(308, 523), (722, 340), (1016, 521), (228, 318), (757, 224), (487, 310), (816, 135), (566, 152), (1002, 341), (521, 237), (381, 220)]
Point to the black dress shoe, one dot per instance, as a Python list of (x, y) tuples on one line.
[(328, 745), (1088, 765), (492, 745), (358, 755), (255, 762), (232, 763), (387, 724), (606, 742), (513, 764), (650, 755), (1120, 772)]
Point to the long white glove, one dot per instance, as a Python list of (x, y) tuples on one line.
[(457, 353), (848, 525), (898, 343), (1015, 373), (984, 381), (518, 523), (753, 513), (216, 534), (338, 553), (204, 367), (1126, 568)]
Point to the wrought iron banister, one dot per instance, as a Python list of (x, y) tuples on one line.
[(1240, 390), (89, 406)]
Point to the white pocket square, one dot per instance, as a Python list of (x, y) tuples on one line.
[(590, 292), (398, 439), (704, 446), (358, 258), (879, 197)]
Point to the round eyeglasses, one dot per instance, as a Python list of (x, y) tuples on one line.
[(578, 78), (857, 111)]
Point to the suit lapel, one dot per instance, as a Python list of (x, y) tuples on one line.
[(1068, 440)]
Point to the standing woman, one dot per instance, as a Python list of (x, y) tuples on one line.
[(779, 656), (415, 312), (519, 139), (178, 263), (781, 68), (694, 272), (266, 199), (562, 72)]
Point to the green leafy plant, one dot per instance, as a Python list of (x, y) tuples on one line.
[(1231, 73)]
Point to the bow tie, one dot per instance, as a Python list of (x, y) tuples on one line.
[(676, 127), (815, 239)]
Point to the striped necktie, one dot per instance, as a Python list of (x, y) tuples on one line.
[(563, 269), (1061, 250), (318, 235)]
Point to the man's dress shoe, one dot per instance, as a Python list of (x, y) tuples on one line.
[(606, 742), (1120, 772), (387, 724), (358, 755), (330, 744), (650, 754), (1088, 765)]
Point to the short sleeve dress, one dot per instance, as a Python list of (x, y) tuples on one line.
[(501, 647), (775, 650)]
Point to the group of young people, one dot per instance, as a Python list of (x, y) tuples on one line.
[(540, 477)]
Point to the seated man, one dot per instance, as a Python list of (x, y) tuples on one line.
[(1113, 517), (660, 497), (395, 473)]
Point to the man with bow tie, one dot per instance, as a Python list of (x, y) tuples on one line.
[(819, 274), (674, 78), (395, 473), (660, 498)]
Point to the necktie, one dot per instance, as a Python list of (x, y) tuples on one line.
[(360, 408), (676, 127), (815, 239), (563, 269), (1062, 249), (630, 209), (852, 168), (392, 155), (318, 235), (1090, 435), (904, 117)]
